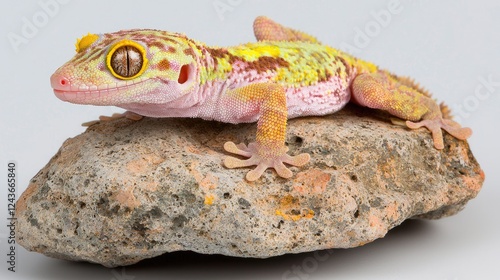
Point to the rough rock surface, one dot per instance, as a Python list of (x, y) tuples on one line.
[(124, 191)]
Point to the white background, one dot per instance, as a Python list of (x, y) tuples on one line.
[(448, 46)]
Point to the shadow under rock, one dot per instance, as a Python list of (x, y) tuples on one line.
[(190, 265)]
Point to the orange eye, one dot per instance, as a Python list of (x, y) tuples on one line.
[(126, 60)]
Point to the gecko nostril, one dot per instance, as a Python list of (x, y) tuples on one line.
[(59, 82), (63, 82)]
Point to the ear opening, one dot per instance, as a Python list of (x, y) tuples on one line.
[(183, 74)]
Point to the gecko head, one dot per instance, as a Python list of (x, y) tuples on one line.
[(129, 67)]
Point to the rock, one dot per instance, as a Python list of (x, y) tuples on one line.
[(124, 191)]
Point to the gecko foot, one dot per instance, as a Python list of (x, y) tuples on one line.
[(435, 126), (263, 163), (129, 115)]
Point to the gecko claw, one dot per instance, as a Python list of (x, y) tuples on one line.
[(255, 174), (298, 160), (262, 163), (282, 170), (232, 162), (435, 126), (240, 149), (90, 123)]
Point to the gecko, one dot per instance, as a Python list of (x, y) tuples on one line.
[(285, 74)]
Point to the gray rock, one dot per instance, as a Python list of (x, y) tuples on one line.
[(124, 191)]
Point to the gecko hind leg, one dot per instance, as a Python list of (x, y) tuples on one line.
[(405, 100), (435, 126)]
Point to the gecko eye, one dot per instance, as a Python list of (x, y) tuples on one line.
[(126, 60)]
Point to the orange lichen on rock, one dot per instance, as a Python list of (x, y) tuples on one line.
[(312, 181), (291, 210), (376, 224), (21, 203), (306, 213), (209, 182), (289, 201), (473, 184), (125, 197), (209, 199), (392, 211), (206, 183), (139, 166)]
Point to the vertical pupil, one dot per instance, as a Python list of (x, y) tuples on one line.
[(126, 61)]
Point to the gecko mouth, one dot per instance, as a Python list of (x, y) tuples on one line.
[(98, 95)]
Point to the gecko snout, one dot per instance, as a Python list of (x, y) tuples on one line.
[(59, 82), (61, 85)]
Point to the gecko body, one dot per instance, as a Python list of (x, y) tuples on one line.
[(285, 74)]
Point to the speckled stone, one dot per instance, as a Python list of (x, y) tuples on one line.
[(124, 191)]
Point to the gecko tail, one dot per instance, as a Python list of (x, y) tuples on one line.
[(445, 111)]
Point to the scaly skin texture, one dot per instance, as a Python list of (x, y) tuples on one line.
[(286, 74)]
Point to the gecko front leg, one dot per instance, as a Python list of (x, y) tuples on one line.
[(400, 98), (269, 150)]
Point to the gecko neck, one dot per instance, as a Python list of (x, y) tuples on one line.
[(200, 101), (205, 97)]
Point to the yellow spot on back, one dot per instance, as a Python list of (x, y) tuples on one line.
[(85, 41), (255, 52)]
